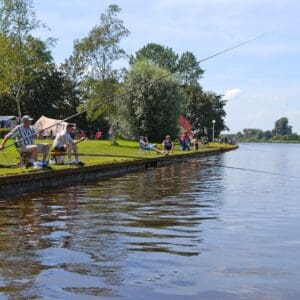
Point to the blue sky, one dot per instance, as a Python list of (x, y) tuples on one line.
[(260, 80)]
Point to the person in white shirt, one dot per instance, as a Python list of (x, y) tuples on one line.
[(64, 142)]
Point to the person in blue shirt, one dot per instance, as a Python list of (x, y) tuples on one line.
[(168, 145)]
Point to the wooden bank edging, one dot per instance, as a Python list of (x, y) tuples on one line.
[(11, 185)]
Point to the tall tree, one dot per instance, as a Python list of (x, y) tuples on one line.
[(151, 109), (282, 127), (97, 53), (153, 53), (189, 68), (100, 49), (6, 54), (18, 20)]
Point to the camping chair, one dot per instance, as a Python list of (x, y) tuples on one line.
[(25, 156), (57, 156)]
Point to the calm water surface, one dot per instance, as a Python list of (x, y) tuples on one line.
[(187, 231)]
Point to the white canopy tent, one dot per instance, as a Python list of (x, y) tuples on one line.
[(53, 126)]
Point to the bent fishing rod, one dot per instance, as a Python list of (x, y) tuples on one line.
[(147, 83)]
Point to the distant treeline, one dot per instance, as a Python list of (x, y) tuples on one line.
[(282, 132)]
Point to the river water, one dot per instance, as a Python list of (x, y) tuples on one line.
[(194, 230)]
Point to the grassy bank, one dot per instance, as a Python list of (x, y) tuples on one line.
[(93, 153)]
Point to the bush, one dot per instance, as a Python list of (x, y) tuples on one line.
[(4, 132)]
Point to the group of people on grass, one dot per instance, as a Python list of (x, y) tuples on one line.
[(186, 142), (167, 145), (25, 134)]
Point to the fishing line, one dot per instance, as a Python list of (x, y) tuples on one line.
[(243, 169), (143, 84), (253, 149)]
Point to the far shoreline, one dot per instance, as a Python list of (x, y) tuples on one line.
[(268, 142)]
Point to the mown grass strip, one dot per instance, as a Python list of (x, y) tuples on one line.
[(95, 153)]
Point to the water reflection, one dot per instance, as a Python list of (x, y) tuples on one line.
[(188, 231), (82, 240)]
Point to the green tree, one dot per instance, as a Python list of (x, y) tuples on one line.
[(253, 133), (17, 21), (72, 71), (6, 49), (200, 108), (44, 94), (163, 57), (41, 82), (282, 127), (151, 109), (268, 134), (100, 49), (187, 66), (97, 53), (189, 69)]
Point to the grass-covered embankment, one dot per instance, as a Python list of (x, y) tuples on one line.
[(94, 152)]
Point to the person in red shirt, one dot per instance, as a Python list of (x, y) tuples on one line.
[(98, 134)]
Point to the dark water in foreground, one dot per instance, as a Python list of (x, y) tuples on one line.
[(188, 231)]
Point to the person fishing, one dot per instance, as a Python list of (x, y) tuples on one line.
[(64, 142), (25, 135)]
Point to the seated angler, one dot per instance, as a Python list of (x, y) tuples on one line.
[(25, 135), (168, 145), (64, 142)]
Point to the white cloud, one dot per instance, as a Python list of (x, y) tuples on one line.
[(232, 94)]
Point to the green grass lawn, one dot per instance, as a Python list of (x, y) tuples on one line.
[(92, 152)]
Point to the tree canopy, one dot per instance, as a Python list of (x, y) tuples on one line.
[(23, 53), (282, 127), (201, 108), (153, 109)]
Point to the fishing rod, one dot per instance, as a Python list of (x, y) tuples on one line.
[(143, 84)]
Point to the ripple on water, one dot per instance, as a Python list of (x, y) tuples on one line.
[(187, 231)]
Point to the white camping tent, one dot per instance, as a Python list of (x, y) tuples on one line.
[(53, 126)]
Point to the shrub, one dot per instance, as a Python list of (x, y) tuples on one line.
[(4, 132)]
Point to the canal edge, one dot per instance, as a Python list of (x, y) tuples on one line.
[(12, 185)]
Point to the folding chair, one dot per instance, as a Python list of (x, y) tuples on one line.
[(57, 156), (25, 157)]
